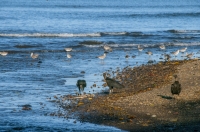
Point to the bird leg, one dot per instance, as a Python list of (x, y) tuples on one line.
[(111, 90), (80, 89)]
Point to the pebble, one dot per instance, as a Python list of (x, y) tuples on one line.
[(145, 124), (174, 119), (83, 72), (153, 116)]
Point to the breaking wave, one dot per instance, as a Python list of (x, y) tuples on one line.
[(67, 35), (64, 35), (183, 31)]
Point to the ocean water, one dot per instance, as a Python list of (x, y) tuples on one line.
[(47, 27)]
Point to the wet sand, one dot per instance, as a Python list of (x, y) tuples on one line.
[(146, 104)]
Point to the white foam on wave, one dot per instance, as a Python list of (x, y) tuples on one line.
[(51, 35), (115, 33), (184, 31), (134, 46), (93, 46), (187, 44)]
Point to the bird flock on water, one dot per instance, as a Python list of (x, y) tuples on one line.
[(112, 83), (109, 49)]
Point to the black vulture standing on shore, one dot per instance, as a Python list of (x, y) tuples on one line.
[(81, 84), (112, 83), (175, 87)]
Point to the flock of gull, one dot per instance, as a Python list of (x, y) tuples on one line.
[(109, 49), (141, 48)]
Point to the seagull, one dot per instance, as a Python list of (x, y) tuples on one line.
[(189, 56), (183, 49), (107, 48), (140, 48), (167, 57), (102, 56), (149, 53), (68, 49), (69, 56), (34, 56), (162, 47), (175, 53), (3, 53)]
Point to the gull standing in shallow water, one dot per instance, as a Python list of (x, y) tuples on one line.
[(69, 56), (175, 53), (3, 53), (140, 48), (68, 49), (102, 56), (189, 56), (34, 56), (183, 50), (162, 47), (149, 53), (107, 48)]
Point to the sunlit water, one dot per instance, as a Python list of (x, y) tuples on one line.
[(47, 27)]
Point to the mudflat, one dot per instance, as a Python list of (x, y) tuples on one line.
[(146, 104)]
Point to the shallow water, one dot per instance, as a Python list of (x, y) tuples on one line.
[(47, 27)]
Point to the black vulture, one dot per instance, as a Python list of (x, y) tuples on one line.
[(175, 87), (81, 84), (112, 83)]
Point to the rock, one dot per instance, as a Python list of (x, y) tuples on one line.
[(83, 72), (148, 113), (26, 107), (153, 116), (145, 124), (174, 120)]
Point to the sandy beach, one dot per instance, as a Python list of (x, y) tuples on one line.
[(146, 104)]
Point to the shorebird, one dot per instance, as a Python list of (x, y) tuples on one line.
[(68, 49), (175, 87), (162, 47), (81, 84), (140, 48), (112, 83), (107, 48), (167, 57), (34, 56), (102, 56), (175, 53), (189, 56), (69, 56), (183, 50), (149, 53), (3, 53)]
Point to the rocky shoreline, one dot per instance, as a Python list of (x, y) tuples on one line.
[(146, 104)]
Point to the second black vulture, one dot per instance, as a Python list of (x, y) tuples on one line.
[(175, 87), (112, 83)]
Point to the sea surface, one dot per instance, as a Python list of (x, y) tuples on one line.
[(46, 27)]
